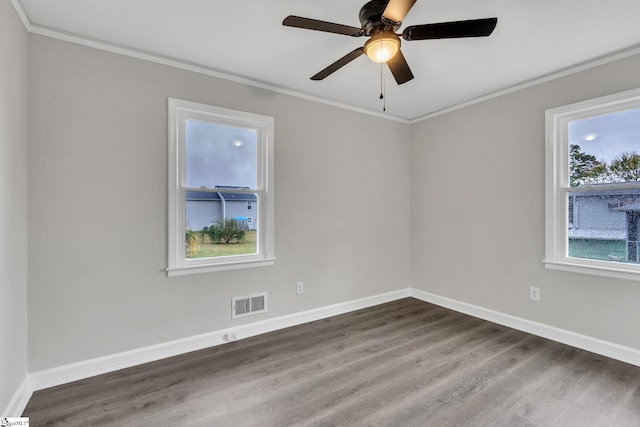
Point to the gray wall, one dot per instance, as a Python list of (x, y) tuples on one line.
[(98, 196), (13, 203), (97, 207), (477, 207)]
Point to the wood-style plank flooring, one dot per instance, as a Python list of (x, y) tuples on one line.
[(405, 363)]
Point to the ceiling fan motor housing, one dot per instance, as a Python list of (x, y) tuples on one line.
[(372, 21)]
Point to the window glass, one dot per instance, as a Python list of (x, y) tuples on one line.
[(220, 195), (219, 155), (592, 211), (603, 150), (217, 224)]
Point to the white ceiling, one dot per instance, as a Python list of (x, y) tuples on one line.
[(245, 38)]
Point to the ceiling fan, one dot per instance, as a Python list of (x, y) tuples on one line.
[(380, 19)]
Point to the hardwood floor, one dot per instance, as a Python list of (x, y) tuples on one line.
[(405, 363)]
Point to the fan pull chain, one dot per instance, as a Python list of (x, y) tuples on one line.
[(383, 87)]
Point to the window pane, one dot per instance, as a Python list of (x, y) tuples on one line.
[(219, 155), (605, 149), (220, 223), (603, 224)]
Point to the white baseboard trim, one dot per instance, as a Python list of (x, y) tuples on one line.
[(20, 398), (594, 345), (100, 365), (80, 370)]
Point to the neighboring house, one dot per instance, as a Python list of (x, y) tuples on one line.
[(206, 207), (632, 213), (605, 216)]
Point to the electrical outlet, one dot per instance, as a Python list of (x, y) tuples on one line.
[(230, 336), (534, 293), (299, 288)]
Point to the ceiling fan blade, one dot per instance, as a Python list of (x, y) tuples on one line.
[(339, 64), (396, 10), (450, 30), (327, 27), (399, 68)]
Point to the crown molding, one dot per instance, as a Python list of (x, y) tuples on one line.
[(146, 56), (23, 16), (602, 60), (183, 65)]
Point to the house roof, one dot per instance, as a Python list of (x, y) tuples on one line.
[(216, 196), (235, 196), (202, 195), (634, 207), (598, 190), (239, 196)]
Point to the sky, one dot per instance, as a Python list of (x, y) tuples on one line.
[(608, 135), (220, 155)]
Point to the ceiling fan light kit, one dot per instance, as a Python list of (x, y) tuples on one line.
[(382, 47), (380, 19)]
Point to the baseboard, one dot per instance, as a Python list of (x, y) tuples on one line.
[(88, 368), (594, 345), (76, 371), (20, 398)]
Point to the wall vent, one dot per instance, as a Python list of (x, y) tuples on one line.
[(249, 305)]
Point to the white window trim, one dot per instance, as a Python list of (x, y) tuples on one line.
[(178, 264), (557, 186)]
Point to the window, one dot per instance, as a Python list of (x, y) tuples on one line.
[(593, 186), (220, 162)]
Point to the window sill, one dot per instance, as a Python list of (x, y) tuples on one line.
[(595, 269), (211, 268)]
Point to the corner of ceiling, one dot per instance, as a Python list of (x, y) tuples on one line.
[(595, 62), (23, 16)]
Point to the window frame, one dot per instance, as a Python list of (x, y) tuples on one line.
[(179, 111), (557, 185)]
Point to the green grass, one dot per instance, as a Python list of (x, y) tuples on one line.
[(210, 250), (607, 250)]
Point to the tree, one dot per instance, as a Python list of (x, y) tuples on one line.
[(626, 167), (585, 168), (225, 231)]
